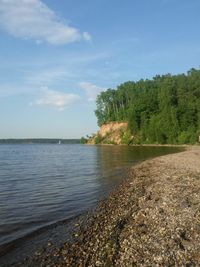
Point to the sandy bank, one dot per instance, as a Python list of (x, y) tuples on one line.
[(152, 219)]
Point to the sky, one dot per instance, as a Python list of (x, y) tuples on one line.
[(57, 56)]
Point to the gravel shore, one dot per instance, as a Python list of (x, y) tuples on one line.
[(151, 219)]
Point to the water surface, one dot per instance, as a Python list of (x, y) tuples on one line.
[(43, 184)]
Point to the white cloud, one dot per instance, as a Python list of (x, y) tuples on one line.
[(91, 90), (58, 100), (87, 36), (32, 19)]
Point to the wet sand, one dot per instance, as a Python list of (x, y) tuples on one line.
[(151, 219)]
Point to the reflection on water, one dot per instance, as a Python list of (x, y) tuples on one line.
[(42, 184)]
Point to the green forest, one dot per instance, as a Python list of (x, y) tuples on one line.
[(163, 110)]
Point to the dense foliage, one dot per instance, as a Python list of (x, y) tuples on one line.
[(163, 110), (83, 140)]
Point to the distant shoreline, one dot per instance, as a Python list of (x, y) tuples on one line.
[(39, 141)]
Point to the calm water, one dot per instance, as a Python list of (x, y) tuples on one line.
[(42, 184)]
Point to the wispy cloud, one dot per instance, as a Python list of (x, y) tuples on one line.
[(56, 99), (47, 76), (32, 19), (53, 72), (7, 90), (91, 90), (87, 36)]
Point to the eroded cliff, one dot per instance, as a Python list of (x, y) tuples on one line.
[(112, 133)]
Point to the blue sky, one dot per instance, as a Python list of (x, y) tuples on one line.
[(56, 56)]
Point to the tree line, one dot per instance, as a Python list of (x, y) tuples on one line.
[(165, 109)]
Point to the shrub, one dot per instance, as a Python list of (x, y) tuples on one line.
[(126, 137), (83, 140), (98, 139)]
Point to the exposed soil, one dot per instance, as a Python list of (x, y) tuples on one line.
[(152, 219), (110, 133)]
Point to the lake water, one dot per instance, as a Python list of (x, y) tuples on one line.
[(43, 184)]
